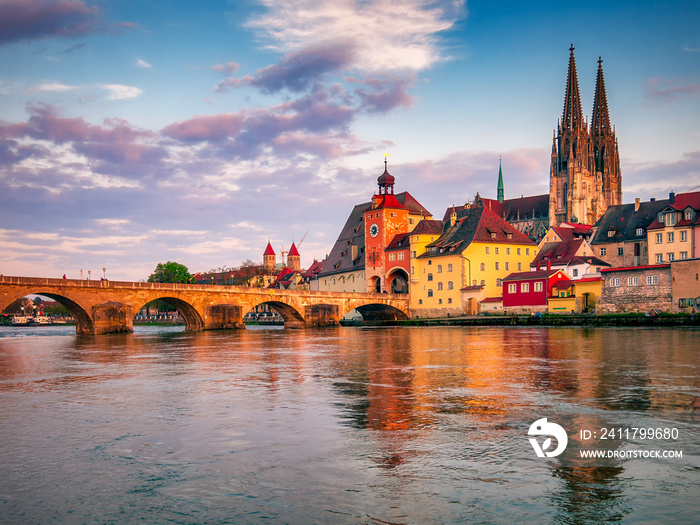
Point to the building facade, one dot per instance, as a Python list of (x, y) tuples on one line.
[(637, 289), (671, 236)]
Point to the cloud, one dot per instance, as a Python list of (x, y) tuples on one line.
[(121, 92), (228, 67), (55, 87), (33, 19), (385, 35), (143, 64), (299, 70), (670, 89)]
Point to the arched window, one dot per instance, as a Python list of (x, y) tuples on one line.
[(449, 267), (439, 286), (450, 285), (483, 283), (439, 268), (430, 276), (430, 292), (483, 267)]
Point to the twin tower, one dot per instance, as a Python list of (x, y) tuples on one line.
[(585, 175)]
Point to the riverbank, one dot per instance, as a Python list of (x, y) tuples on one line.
[(664, 320)]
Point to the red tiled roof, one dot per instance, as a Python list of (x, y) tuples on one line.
[(558, 252), (386, 201), (492, 300), (269, 250), (680, 203), (428, 227), (564, 284), (589, 280), (399, 242), (520, 276)]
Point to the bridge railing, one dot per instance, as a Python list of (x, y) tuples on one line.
[(183, 287)]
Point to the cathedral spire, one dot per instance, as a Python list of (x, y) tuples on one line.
[(600, 124), (572, 117), (500, 192)]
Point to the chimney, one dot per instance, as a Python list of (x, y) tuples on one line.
[(671, 198), (549, 264), (538, 266), (636, 204)]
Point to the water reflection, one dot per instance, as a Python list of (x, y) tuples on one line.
[(344, 425)]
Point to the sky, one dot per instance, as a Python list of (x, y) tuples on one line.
[(139, 132)]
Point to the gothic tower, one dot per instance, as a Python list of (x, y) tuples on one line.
[(293, 258), (585, 168), (606, 157), (500, 190)]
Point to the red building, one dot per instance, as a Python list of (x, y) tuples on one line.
[(529, 291)]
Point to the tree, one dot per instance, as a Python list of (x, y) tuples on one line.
[(170, 272)]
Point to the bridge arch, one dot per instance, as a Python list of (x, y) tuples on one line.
[(83, 320), (292, 317), (193, 319), (379, 311)]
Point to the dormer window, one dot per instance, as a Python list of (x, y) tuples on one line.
[(660, 217), (640, 232), (688, 214), (611, 233), (671, 219), (493, 235)]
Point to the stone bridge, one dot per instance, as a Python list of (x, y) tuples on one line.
[(101, 307)]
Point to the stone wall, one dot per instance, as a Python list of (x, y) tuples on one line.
[(685, 276), (636, 298)]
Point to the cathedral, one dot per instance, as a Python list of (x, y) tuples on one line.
[(585, 175)]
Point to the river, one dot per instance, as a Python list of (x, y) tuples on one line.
[(348, 425)]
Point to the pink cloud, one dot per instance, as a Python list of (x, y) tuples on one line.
[(670, 89), (31, 19), (228, 67), (205, 128)]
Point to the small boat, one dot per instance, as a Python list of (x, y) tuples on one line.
[(21, 320)]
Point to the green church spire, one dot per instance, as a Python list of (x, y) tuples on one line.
[(500, 196)]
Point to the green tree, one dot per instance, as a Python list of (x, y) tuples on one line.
[(170, 272)]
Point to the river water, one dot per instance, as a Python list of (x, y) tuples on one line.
[(347, 425)]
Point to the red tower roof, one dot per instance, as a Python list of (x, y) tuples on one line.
[(293, 250), (269, 250)]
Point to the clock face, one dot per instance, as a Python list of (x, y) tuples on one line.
[(374, 230)]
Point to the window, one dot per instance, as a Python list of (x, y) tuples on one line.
[(430, 292), (483, 267), (611, 233), (439, 286), (496, 265), (620, 251), (524, 287), (413, 270), (538, 286), (439, 268), (499, 282), (449, 300), (420, 301), (575, 272), (517, 251), (400, 256), (430, 262), (632, 281), (392, 256), (487, 249), (684, 236), (507, 265), (507, 251), (495, 250), (614, 282), (659, 238), (430, 276), (603, 251), (527, 251), (493, 235), (520, 266), (688, 214), (439, 301), (450, 285), (684, 255), (413, 254), (652, 280), (659, 257), (483, 283), (511, 288), (640, 232), (671, 219), (449, 267), (660, 217), (670, 236), (670, 256)]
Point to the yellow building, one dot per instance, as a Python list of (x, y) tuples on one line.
[(671, 236), (466, 263), (575, 296)]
